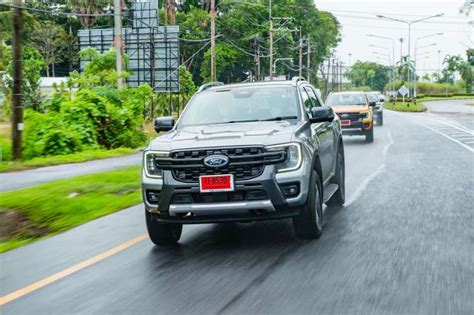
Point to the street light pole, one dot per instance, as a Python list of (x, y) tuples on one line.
[(415, 62), (393, 56), (409, 23), (213, 42), (271, 38)]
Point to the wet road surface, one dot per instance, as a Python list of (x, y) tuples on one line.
[(404, 243), (16, 180)]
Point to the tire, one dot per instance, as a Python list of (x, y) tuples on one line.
[(380, 120), (162, 233), (369, 136), (339, 197), (309, 223)]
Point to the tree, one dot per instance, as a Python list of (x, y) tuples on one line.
[(91, 7), (368, 74), (405, 67), (33, 65), (49, 39), (467, 7)]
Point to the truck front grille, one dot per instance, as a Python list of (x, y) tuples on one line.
[(244, 162)]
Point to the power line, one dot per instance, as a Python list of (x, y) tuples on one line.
[(380, 13), (57, 13), (378, 19)]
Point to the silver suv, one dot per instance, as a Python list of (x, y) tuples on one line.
[(244, 152)]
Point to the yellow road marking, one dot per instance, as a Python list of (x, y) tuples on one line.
[(67, 272)]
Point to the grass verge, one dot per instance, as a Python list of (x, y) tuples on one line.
[(84, 156), (405, 107), (44, 210)]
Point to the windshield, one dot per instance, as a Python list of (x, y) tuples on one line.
[(244, 104), (346, 100), (373, 97)]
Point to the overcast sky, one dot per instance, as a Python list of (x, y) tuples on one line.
[(358, 18)]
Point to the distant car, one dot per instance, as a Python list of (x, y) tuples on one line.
[(355, 112), (244, 152), (379, 99)]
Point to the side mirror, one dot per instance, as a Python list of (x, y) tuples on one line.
[(321, 114), (372, 103), (164, 123)]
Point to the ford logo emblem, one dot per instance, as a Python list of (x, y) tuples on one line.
[(216, 161), (344, 116)]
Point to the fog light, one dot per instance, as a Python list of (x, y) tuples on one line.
[(153, 197), (290, 190)]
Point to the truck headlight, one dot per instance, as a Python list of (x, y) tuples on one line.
[(294, 156), (149, 164), (365, 114)]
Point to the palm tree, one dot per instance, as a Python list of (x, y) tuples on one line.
[(404, 67)]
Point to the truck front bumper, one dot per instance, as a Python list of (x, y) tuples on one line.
[(269, 196)]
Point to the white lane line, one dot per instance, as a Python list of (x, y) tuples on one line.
[(368, 179), (447, 136), (429, 125)]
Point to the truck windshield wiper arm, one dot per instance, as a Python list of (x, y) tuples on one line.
[(280, 118), (240, 121)]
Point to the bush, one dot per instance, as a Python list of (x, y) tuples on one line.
[(100, 117), (430, 89)]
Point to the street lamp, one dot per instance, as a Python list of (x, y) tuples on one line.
[(416, 49), (409, 23), (393, 53)]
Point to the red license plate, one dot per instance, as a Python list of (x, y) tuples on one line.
[(216, 183), (345, 122)]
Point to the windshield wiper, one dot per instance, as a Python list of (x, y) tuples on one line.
[(280, 118), (240, 121)]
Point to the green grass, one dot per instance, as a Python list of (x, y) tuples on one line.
[(41, 211), (402, 107), (431, 98), (10, 166)]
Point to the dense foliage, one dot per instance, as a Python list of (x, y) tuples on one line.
[(97, 115), (368, 74)]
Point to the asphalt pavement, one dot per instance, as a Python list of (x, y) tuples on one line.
[(16, 180), (404, 243)]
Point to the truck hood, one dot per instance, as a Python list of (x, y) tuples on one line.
[(350, 109), (237, 134)]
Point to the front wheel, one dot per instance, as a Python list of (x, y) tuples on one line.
[(339, 197), (369, 136), (309, 223), (162, 233)]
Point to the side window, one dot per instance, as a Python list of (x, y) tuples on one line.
[(312, 96), (306, 100)]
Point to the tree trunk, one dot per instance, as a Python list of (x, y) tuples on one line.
[(47, 70)]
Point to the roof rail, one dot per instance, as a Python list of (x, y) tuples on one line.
[(295, 80), (209, 85)]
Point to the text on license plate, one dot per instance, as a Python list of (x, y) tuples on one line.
[(345, 122), (216, 183)]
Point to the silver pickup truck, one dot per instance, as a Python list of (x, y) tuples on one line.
[(244, 152)]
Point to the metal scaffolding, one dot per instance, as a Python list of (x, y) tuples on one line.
[(152, 50)]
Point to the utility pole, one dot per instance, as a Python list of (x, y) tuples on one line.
[(401, 50), (118, 41), (308, 61), (300, 63), (326, 87), (271, 39), (17, 113), (213, 41)]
